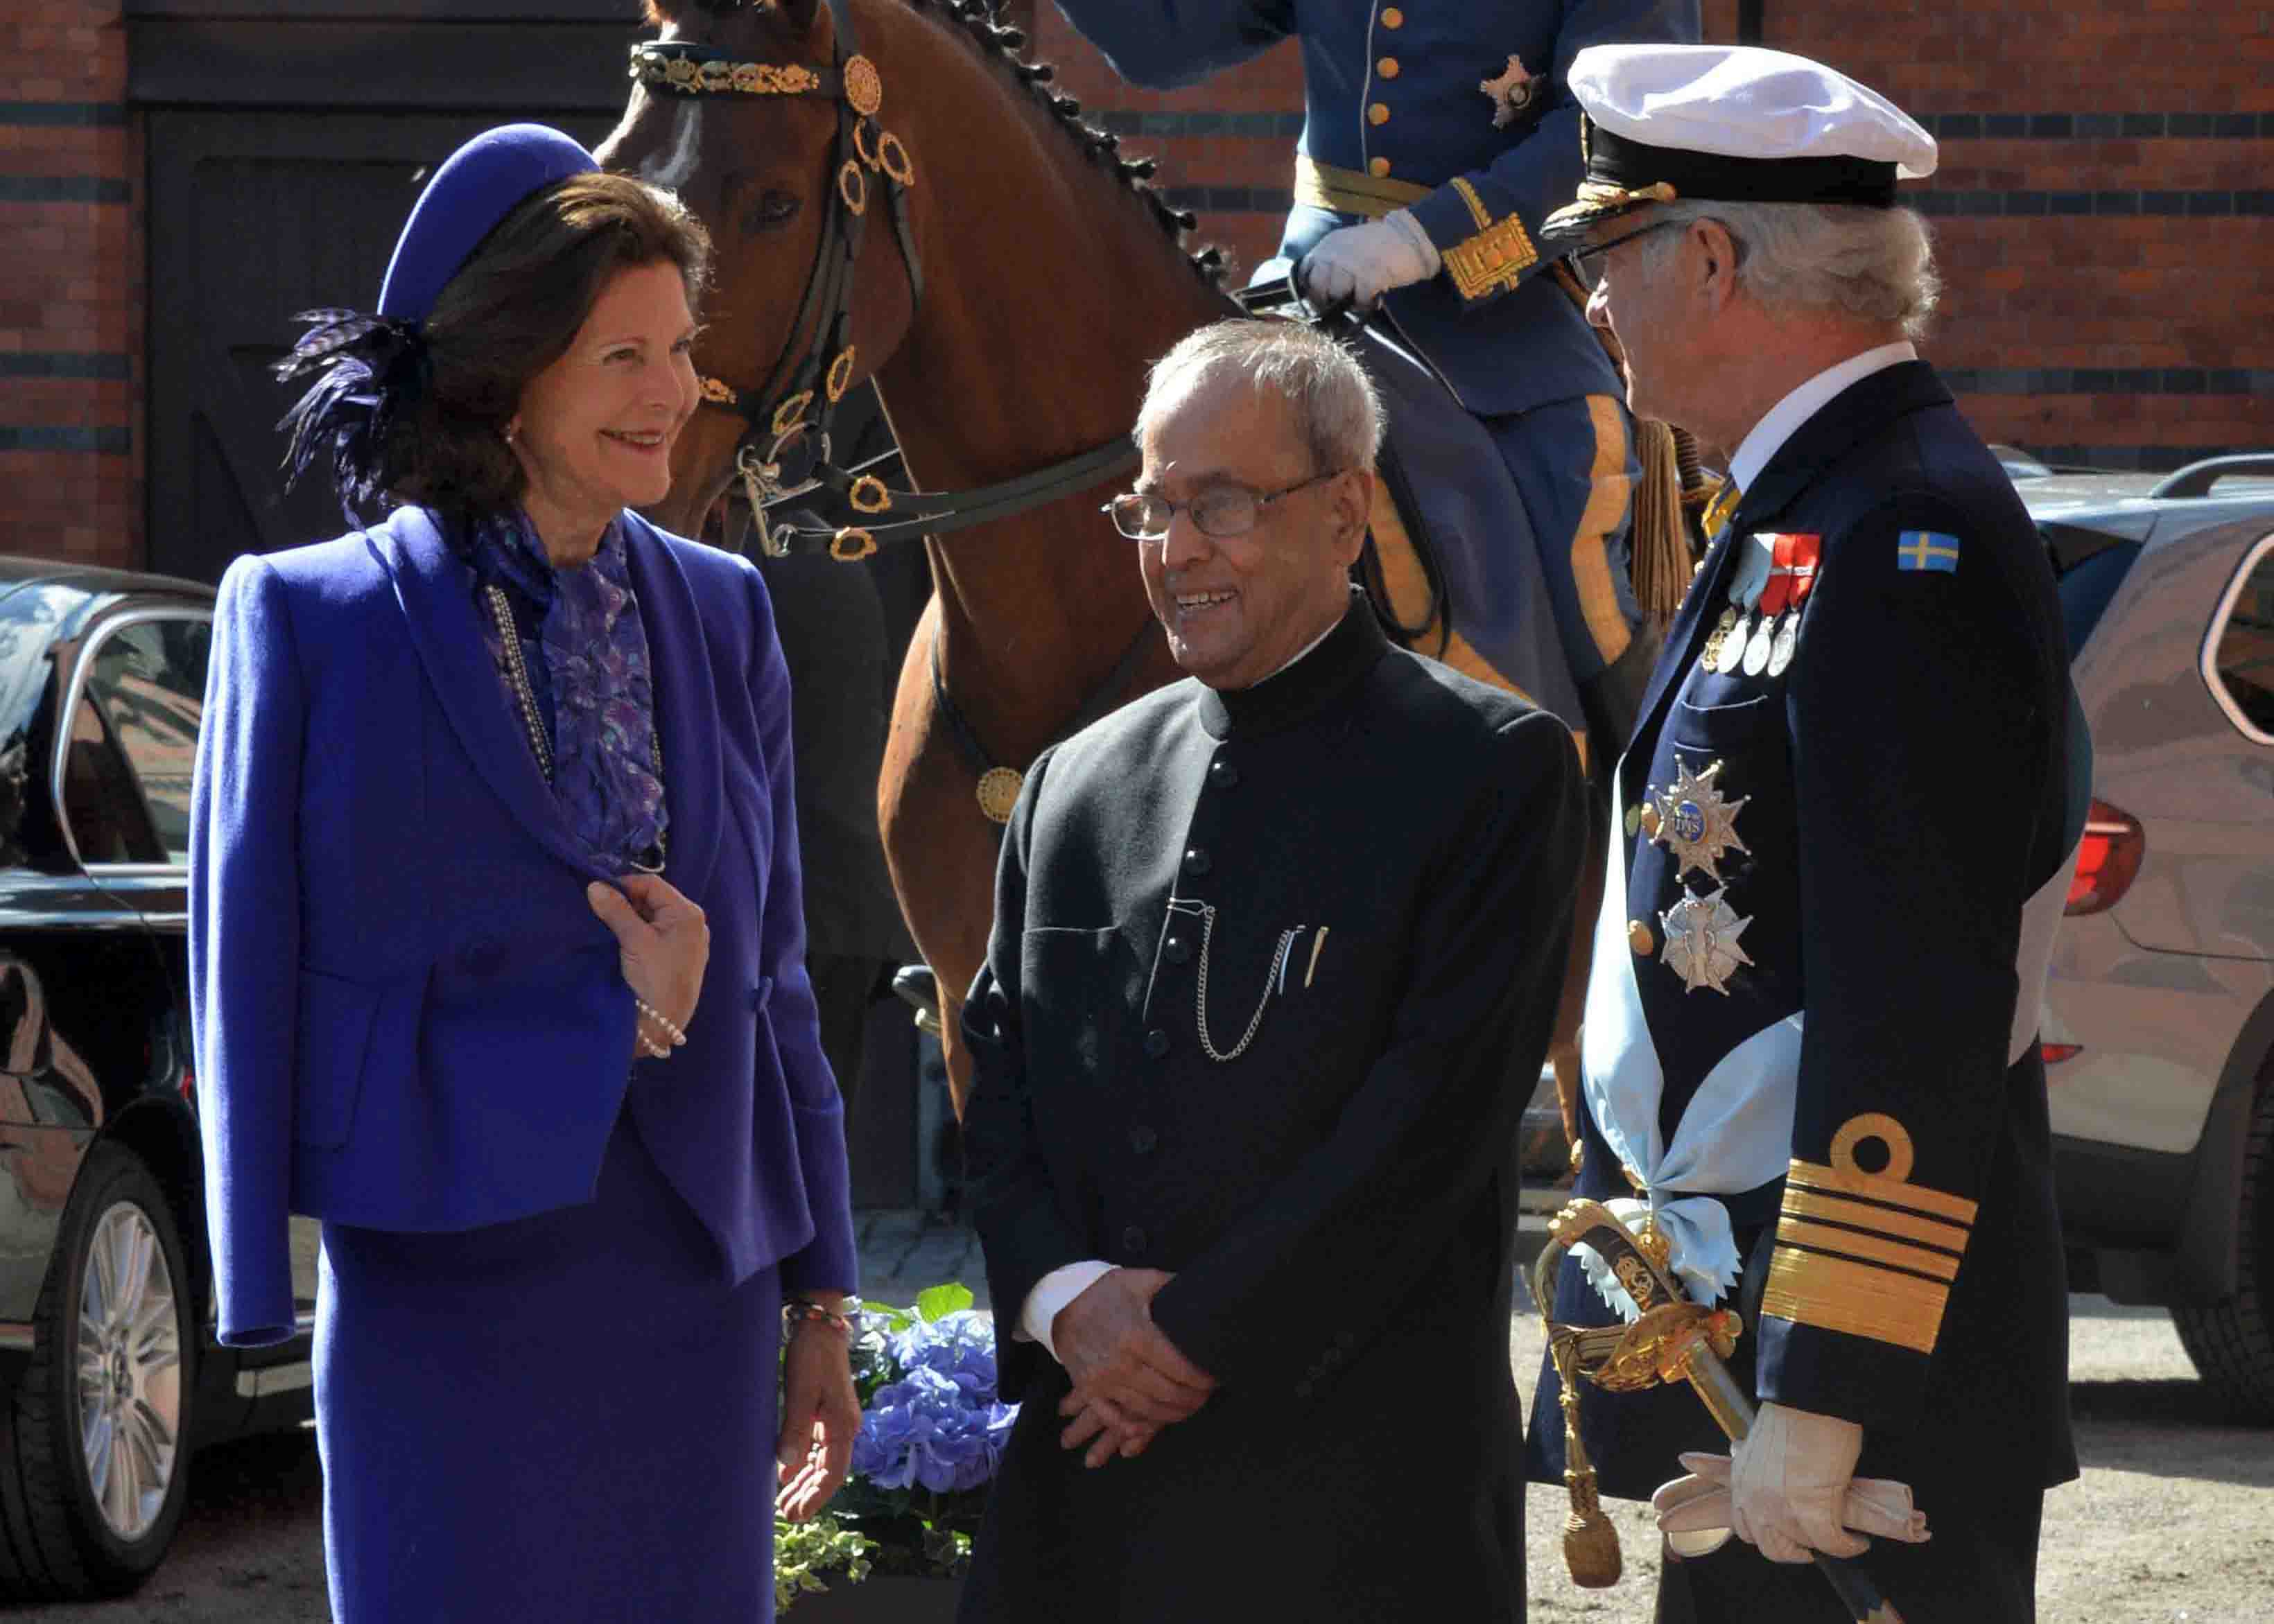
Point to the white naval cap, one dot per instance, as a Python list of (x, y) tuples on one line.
[(1731, 123)]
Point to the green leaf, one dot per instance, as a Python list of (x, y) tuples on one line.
[(941, 1301)]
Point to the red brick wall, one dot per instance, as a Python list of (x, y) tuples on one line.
[(2102, 206), (71, 286)]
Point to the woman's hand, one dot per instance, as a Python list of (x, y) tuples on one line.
[(820, 1416), (665, 942)]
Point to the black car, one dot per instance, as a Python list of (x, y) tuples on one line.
[(110, 1376)]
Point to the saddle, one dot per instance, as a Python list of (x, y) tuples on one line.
[(1450, 566)]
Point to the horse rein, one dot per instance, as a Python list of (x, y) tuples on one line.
[(802, 391)]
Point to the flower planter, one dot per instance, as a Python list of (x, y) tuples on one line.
[(879, 1599)]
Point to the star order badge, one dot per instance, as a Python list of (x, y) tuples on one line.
[(1695, 822), (1511, 92), (1701, 941)]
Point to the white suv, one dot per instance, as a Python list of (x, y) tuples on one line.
[(2159, 1021)]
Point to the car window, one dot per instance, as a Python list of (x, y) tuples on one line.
[(148, 679), (109, 822), (2244, 665)]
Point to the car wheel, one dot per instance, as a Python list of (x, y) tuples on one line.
[(2232, 1340), (94, 1463)]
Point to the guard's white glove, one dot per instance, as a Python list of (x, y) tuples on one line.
[(1357, 264), (1693, 1512), (1789, 1484)]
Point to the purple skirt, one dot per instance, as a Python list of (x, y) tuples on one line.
[(569, 1416)]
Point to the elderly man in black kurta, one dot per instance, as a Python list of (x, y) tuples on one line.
[(1274, 958)]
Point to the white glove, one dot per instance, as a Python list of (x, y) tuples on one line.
[(1693, 1512), (1359, 264), (1789, 1484)]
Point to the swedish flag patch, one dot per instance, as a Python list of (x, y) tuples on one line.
[(1926, 550)]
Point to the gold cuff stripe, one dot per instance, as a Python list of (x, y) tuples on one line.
[(1800, 1203), (1494, 257), (1351, 192), (1822, 1237), (1854, 1299), (1478, 213), (1878, 1187)]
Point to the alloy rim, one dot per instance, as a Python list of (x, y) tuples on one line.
[(130, 1371)]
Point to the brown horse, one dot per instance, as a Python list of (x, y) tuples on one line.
[(1050, 276)]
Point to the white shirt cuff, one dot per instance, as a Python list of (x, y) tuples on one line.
[(1052, 1292)]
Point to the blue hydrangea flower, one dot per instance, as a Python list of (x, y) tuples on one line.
[(940, 1425)]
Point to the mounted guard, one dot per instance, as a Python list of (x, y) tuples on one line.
[(1436, 140)]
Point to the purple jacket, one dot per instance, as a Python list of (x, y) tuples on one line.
[(407, 1015)]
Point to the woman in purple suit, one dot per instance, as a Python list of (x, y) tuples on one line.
[(497, 952)]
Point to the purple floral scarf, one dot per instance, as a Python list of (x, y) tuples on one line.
[(586, 650)]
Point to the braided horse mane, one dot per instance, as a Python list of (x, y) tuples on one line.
[(1004, 44)]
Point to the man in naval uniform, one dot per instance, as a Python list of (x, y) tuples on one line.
[(1275, 957), (1437, 135), (1847, 822)]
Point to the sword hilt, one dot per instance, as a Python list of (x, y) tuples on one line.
[(1673, 1338)]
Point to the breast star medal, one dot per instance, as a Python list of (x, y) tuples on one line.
[(1701, 941), (1510, 92), (1695, 823)]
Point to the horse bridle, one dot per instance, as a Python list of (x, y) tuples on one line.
[(792, 413)]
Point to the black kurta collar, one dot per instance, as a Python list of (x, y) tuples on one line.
[(1298, 693)]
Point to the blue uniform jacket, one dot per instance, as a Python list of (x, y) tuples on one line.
[(1912, 786), (407, 1015), (1504, 336)]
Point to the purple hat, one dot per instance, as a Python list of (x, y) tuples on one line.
[(479, 186)]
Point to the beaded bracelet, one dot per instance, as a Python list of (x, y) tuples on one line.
[(671, 1028), (799, 1310)]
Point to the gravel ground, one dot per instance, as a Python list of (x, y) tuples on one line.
[(2173, 1519)]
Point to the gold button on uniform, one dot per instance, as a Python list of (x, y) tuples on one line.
[(1377, 166), (1392, 17), (1378, 114), (1387, 67), (1634, 821), (1638, 937)]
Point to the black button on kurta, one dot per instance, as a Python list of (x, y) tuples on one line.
[(1197, 861), (1157, 1043), (1132, 1240), (1177, 951), (1223, 775), (1141, 1139)]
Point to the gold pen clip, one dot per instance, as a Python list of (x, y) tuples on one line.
[(1317, 942)]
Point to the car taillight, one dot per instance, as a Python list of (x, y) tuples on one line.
[(2053, 1053), (2108, 860)]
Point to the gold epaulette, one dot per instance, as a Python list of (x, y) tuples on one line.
[(1496, 257), (1867, 1254)]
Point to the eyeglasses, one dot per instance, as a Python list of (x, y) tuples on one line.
[(1222, 511), (1587, 263)]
